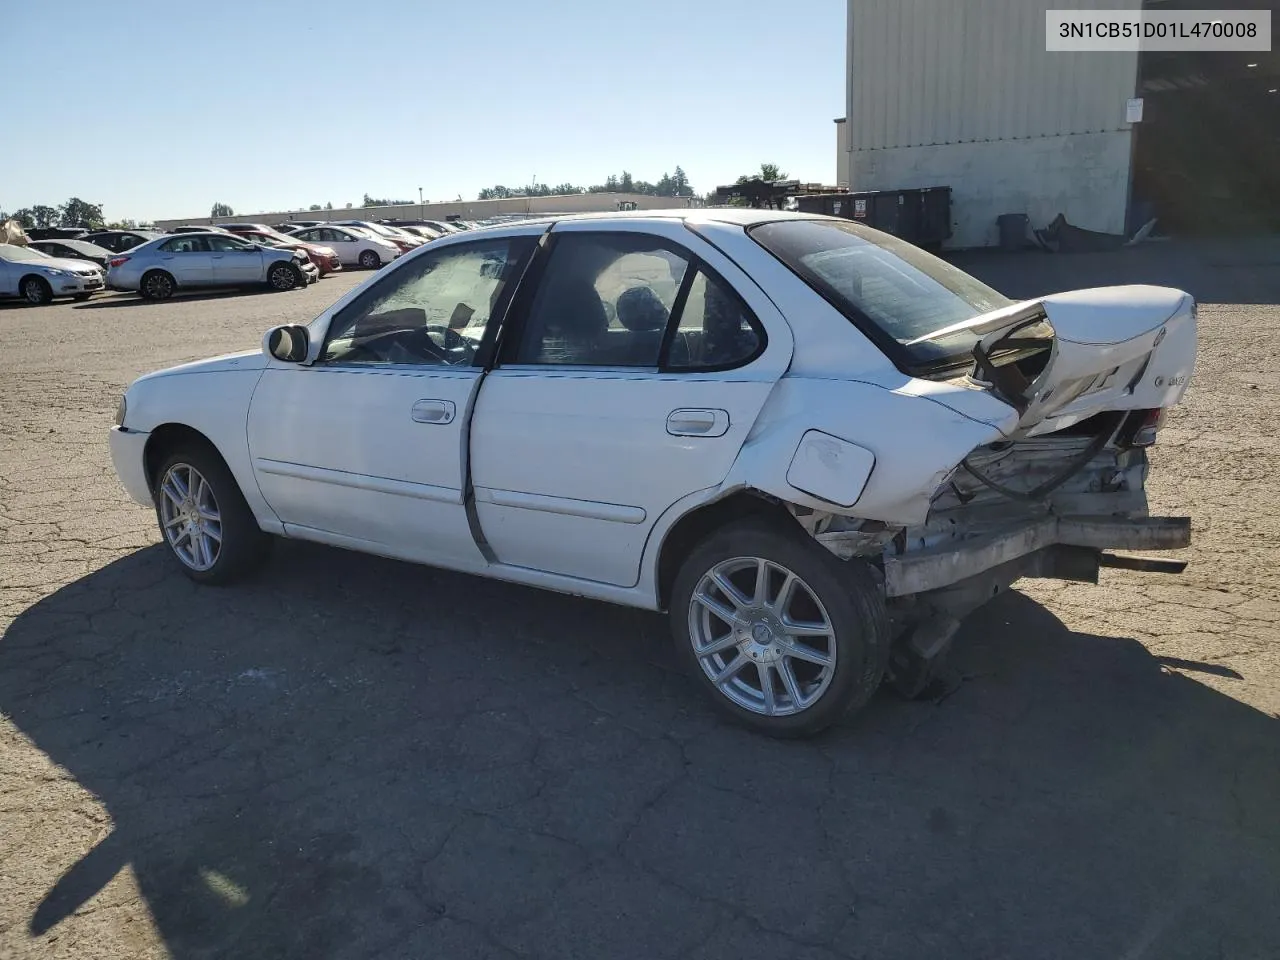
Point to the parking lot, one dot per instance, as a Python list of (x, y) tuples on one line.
[(352, 757)]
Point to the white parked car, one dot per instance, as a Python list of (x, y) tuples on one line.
[(816, 446), (38, 278), (355, 247)]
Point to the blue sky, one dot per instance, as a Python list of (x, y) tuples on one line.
[(158, 108)]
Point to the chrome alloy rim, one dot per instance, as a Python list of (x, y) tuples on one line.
[(190, 518), (762, 636), (282, 277)]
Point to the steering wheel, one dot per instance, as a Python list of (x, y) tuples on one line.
[(457, 350)]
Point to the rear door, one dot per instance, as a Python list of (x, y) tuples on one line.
[(188, 259), (635, 365)]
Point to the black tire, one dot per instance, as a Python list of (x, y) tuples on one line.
[(36, 291), (854, 605), (370, 260), (285, 276), (244, 547), (157, 285)]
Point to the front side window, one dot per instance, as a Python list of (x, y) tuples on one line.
[(225, 244), (604, 300), (893, 290), (431, 311)]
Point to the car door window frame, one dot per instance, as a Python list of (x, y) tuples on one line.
[(517, 268), (521, 307)]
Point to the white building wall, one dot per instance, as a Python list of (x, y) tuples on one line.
[(962, 93)]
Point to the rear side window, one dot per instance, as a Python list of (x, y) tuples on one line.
[(633, 300), (181, 244)]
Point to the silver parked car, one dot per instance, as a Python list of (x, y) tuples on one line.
[(38, 278), (158, 268)]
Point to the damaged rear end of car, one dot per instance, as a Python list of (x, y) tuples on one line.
[(1041, 468)]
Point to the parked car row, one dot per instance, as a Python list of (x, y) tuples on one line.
[(159, 268), (71, 261)]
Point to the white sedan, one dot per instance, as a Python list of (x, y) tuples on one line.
[(816, 446), (355, 247), (38, 278)]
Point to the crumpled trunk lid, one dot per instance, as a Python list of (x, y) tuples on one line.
[(1066, 357)]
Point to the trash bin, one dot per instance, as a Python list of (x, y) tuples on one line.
[(1013, 231)]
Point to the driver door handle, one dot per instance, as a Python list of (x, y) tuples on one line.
[(433, 411), (698, 423)]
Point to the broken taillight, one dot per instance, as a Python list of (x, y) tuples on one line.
[(1145, 425)]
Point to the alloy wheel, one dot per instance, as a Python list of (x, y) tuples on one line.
[(159, 286), (190, 517), (762, 636), (283, 277), (34, 291)]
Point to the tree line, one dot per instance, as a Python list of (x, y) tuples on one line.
[(668, 185), (74, 213)]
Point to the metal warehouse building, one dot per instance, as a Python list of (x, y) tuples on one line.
[(962, 93)]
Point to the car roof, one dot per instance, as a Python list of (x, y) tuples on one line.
[(742, 216)]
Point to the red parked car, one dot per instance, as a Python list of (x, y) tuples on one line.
[(325, 258)]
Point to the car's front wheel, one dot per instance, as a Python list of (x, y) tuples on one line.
[(284, 276), (370, 260), (204, 519), (36, 291), (782, 635)]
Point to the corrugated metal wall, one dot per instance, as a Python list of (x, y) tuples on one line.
[(959, 71)]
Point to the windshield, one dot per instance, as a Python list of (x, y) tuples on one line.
[(891, 289), (10, 252)]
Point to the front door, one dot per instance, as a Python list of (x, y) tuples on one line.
[(188, 259), (235, 261), (630, 379), (367, 445)]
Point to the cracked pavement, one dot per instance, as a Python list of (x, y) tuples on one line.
[(353, 757)]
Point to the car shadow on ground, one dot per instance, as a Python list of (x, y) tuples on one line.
[(356, 757), (134, 300)]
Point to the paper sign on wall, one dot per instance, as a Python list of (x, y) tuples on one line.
[(1133, 110)]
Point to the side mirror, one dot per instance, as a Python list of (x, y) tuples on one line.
[(289, 344)]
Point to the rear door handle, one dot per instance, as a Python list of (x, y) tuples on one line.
[(698, 423), (433, 411)]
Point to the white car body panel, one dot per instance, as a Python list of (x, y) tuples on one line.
[(211, 397), (559, 453), (575, 475), (400, 485)]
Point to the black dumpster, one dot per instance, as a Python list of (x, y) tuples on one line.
[(921, 216)]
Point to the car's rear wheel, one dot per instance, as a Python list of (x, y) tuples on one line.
[(36, 291), (157, 285), (284, 276), (370, 260), (204, 519), (783, 636)]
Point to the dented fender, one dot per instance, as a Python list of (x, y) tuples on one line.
[(861, 449)]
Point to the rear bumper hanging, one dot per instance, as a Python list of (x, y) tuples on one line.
[(950, 563)]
